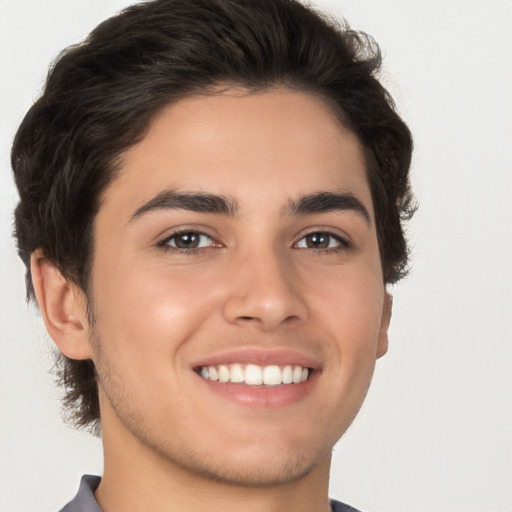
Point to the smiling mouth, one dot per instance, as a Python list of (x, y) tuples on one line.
[(255, 375)]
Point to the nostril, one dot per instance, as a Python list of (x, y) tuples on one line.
[(265, 307)]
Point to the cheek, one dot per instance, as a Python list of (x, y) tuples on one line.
[(144, 320), (350, 301), (149, 311), (348, 309)]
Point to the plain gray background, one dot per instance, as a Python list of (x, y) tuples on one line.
[(435, 434)]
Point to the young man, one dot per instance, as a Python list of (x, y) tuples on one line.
[(211, 198)]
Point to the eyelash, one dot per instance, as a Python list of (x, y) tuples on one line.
[(164, 244), (343, 244)]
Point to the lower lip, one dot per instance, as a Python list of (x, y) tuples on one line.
[(263, 397)]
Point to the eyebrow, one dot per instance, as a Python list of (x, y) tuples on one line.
[(196, 202), (322, 202), (319, 202)]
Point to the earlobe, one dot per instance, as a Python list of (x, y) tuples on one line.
[(63, 307), (382, 346)]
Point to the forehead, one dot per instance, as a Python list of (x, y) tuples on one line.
[(278, 143)]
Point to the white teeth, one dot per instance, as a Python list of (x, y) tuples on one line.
[(224, 374), (237, 373), (213, 373), (287, 375), (297, 374), (272, 375), (254, 375)]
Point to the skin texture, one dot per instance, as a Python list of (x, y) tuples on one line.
[(253, 283)]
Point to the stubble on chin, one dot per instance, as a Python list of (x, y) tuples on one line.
[(167, 450)]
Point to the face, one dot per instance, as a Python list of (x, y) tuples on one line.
[(237, 288)]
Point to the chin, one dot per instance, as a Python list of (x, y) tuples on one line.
[(262, 463), (262, 471)]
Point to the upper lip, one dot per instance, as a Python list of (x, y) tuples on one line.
[(261, 356)]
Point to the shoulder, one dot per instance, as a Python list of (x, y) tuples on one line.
[(84, 501), (337, 506)]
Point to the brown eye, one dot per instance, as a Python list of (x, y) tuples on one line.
[(322, 240), (188, 240), (318, 240)]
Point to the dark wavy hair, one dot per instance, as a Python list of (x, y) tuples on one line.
[(100, 96)]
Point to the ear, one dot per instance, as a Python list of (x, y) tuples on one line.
[(63, 307), (382, 345)]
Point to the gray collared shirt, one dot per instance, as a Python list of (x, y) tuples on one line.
[(85, 501)]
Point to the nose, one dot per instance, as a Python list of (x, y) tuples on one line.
[(264, 291)]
